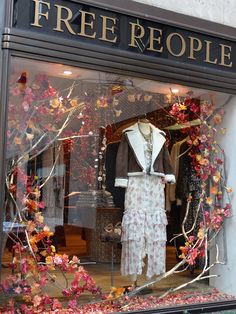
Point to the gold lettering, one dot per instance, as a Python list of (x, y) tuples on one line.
[(85, 24), (183, 44), (38, 13), (225, 55), (64, 20), (106, 29), (192, 47), (208, 53), (134, 28), (155, 39)]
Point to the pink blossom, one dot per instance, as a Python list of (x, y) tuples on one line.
[(67, 292), (18, 290), (56, 304), (216, 221), (57, 260), (43, 280), (192, 256), (227, 213), (75, 260), (37, 300), (228, 206), (15, 91), (25, 106), (24, 266), (191, 239), (72, 304), (41, 204), (203, 138), (194, 107)]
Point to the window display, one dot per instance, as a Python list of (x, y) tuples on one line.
[(114, 184)]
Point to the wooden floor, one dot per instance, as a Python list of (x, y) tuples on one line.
[(102, 272)]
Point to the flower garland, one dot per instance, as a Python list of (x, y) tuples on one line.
[(207, 158)]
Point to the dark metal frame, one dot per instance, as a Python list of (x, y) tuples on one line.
[(192, 309), (32, 45), (4, 66)]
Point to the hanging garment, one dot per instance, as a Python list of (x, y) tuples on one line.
[(144, 222), (53, 190), (110, 165), (188, 182), (130, 160), (170, 189)]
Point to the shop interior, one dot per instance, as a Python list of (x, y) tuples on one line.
[(71, 137)]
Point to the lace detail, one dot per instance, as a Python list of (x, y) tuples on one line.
[(148, 155)]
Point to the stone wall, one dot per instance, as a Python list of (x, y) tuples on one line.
[(220, 11)]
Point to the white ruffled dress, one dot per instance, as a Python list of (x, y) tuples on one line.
[(144, 224)]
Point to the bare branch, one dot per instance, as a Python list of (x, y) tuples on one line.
[(65, 124), (53, 167)]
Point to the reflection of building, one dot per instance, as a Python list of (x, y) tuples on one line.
[(115, 63)]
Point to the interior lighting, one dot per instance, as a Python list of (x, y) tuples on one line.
[(175, 91), (67, 72)]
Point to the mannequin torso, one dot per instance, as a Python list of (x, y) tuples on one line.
[(144, 128)]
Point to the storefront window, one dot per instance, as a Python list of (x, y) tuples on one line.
[(116, 188)]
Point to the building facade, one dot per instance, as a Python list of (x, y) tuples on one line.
[(91, 95)]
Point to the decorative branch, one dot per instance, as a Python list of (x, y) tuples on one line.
[(52, 170)]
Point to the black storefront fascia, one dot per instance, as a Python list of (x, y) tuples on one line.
[(213, 67)]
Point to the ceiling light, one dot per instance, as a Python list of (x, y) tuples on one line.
[(175, 90), (66, 72)]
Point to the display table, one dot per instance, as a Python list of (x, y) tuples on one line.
[(102, 251)]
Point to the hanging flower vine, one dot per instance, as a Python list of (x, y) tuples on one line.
[(40, 120), (207, 158)]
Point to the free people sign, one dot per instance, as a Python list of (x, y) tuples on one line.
[(84, 23)]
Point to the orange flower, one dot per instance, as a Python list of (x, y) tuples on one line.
[(204, 162), (198, 157), (74, 103), (38, 217), (31, 205), (201, 234), (55, 103), (49, 260), (31, 226), (216, 177), (53, 248), (223, 131), (217, 119), (17, 141), (116, 292), (214, 190), (27, 298), (229, 190), (43, 253), (209, 200), (36, 193), (182, 256), (189, 199), (182, 107)]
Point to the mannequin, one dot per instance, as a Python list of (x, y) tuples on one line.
[(144, 126), (142, 167)]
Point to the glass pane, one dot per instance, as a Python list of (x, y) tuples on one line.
[(117, 187)]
